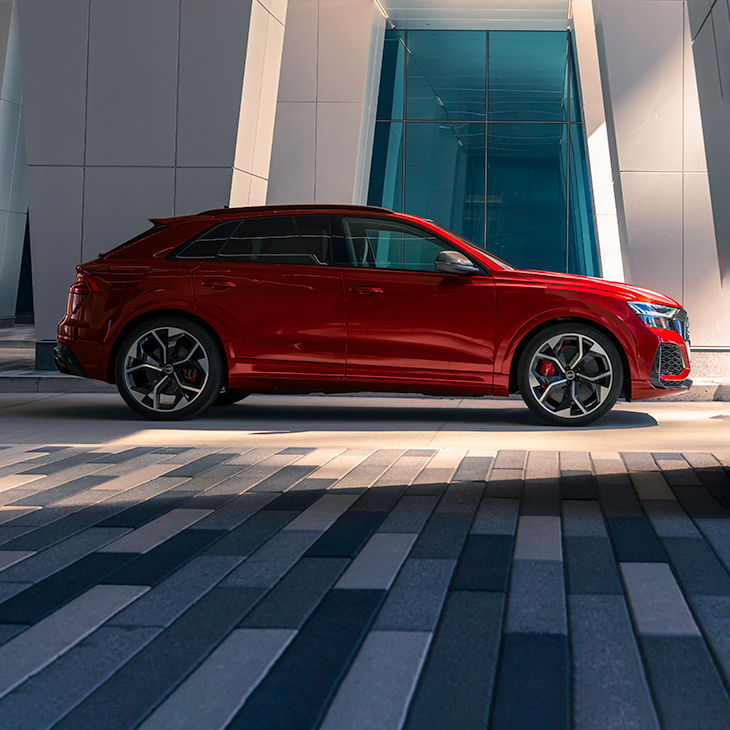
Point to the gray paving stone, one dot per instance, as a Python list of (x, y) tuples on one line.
[(7, 631), (536, 601), (246, 538), (639, 461), (507, 459), (378, 561), (387, 667), (8, 590), (657, 605), (283, 478), (461, 498), (697, 566), (538, 538), (405, 469), (583, 518), (669, 519), (414, 601), (368, 471), (713, 616), (496, 517), (409, 514), (214, 692), (442, 537), (541, 497), (45, 697), (39, 645), (8, 558), (609, 688), (472, 469), (235, 511), (542, 465), (323, 513), (716, 533), (591, 566), (505, 483)]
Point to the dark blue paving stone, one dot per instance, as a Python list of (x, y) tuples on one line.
[(617, 496), (298, 500), (455, 686), (699, 503), (154, 566), (301, 450), (379, 499), (717, 483), (200, 465), (210, 501), (687, 689), (578, 485), (54, 494), (120, 457), (144, 512), (591, 566), (541, 497), (635, 541), (296, 691), (48, 595), (532, 688), (713, 616), (503, 484), (697, 566), (347, 535), (146, 679), (284, 478), (443, 536), (484, 564), (56, 466), (255, 531), (297, 594), (8, 631), (473, 469)]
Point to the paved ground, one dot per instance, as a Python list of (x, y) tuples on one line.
[(370, 584)]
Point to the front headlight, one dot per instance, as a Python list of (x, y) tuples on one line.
[(655, 315)]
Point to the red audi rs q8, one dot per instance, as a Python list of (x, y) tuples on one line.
[(208, 308)]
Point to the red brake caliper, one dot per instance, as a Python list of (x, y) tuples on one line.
[(546, 368), (190, 374)]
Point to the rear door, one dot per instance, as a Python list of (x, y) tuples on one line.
[(408, 323), (270, 284)]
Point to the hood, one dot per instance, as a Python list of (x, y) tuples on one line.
[(615, 289)]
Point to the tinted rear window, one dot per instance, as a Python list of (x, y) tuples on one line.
[(207, 245)]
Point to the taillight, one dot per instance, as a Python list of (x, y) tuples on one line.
[(79, 290)]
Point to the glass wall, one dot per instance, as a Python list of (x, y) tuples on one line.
[(481, 132)]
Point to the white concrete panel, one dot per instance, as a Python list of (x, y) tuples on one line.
[(644, 69), (213, 38), (278, 8), (240, 188), (338, 137), (53, 45), (267, 99), (694, 142), (257, 191), (299, 60), (653, 214), (9, 121), (55, 195), (201, 188), (132, 83), (705, 298), (118, 201), (291, 176), (344, 42)]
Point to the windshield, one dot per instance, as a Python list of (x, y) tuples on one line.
[(484, 252)]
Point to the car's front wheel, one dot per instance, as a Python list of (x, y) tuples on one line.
[(570, 374), (169, 369)]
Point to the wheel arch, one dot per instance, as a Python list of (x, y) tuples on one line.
[(517, 354), (154, 314)]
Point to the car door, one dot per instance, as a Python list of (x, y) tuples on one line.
[(270, 286), (408, 323)]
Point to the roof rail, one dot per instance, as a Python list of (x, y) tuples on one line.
[(300, 206)]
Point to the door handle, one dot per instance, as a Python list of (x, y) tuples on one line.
[(218, 284), (366, 290)]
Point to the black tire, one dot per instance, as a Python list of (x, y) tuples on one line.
[(229, 397), (147, 357), (570, 374)]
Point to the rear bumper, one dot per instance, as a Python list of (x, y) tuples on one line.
[(66, 362)]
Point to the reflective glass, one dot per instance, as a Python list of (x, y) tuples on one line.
[(526, 187), (386, 166), (528, 74), (445, 175), (392, 74), (582, 250), (446, 75)]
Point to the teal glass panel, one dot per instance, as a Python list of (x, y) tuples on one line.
[(526, 188), (386, 166), (575, 115), (392, 76), (446, 75), (582, 250), (445, 175), (528, 74)]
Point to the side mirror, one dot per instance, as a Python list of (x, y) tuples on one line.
[(453, 262)]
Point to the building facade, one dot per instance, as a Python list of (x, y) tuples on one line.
[(590, 136)]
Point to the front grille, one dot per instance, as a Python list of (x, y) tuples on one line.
[(670, 360)]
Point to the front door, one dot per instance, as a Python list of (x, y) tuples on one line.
[(408, 323)]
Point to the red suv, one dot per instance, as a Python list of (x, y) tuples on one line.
[(208, 308)]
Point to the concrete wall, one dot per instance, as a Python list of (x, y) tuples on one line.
[(325, 112), (658, 158), (138, 109), (13, 179)]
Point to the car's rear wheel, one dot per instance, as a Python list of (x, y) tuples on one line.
[(169, 369), (570, 374), (228, 397)]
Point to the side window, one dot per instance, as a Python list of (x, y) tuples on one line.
[(279, 240), (207, 245), (384, 245)]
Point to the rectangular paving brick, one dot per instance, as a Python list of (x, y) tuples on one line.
[(367, 470), (378, 561), (472, 469), (387, 667), (283, 478), (538, 538), (669, 519), (697, 567), (542, 465), (634, 540), (536, 602), (322, 514), (443, 536), (11, 557), (198, 466), (294, 500), (235, 511), (255, 531), (510, 459), (505, 484), (651, 485), (347, 535), (409, 514), (454, 689), (713, 616), (484, 564), (541, 497), (591, 566), (496, 517), (583, 518), (39, 645)]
